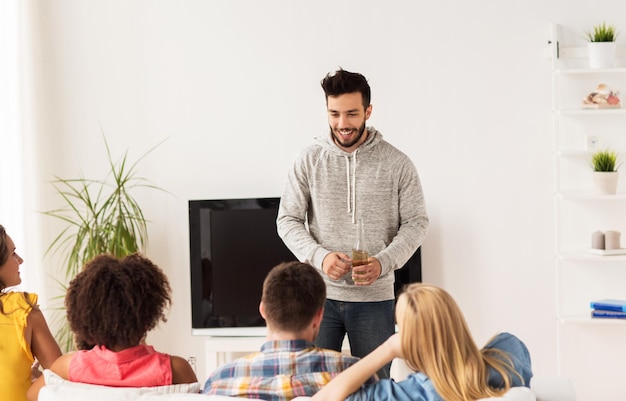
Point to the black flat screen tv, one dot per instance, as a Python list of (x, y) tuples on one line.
[(233, 245)]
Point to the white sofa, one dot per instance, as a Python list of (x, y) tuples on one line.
[(57, 389)]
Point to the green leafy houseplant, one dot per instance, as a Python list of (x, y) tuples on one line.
[(101, 216), (604, 161), (602, 33)]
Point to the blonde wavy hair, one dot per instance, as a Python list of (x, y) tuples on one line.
[(436, 341)]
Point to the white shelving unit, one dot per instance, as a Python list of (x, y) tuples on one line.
[(590, 350)]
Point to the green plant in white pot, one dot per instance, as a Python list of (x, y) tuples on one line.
[(605, 174), (101, 216), (602, 46)]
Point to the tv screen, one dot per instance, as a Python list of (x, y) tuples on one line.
[(233, 245)]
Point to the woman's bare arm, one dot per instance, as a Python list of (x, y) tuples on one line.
[(351, 379), (42, 343), (60, 366), (182, 372)]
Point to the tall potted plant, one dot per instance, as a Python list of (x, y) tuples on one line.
[(602, 46), (605, 174), (101, 216)]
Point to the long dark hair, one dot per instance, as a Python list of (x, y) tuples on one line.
[(5, 254), (4, 250)]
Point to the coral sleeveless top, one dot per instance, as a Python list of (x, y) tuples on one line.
[(139, 366), (16, 356)]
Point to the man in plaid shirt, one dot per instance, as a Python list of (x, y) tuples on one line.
[(288, 365)]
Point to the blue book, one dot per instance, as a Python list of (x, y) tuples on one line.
[(608, 314), (610, 305)]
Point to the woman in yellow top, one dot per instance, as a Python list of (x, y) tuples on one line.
[(24, 333)]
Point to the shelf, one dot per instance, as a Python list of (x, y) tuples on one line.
[(590, 196), (575, 153), (587, 319), (586, 257), (590, 112), (583, 153), (590, 71), (579, 210)]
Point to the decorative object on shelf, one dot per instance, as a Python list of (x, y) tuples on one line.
[(597, 240), (607, 314), (605, 174), (101, 216), (608, 252), (608, 309), (602, 98), (602, 46), (612, 240), (593, 141), (606, 243)]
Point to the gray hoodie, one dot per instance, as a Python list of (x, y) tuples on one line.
[(328, 190)]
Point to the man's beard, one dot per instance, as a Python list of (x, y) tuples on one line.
[(339, 141)]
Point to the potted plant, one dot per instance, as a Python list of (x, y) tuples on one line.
[(602, 46), (101, 216), (605, 175)]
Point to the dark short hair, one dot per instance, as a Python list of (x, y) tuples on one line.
[(293, 292), (342, 82), (115, 302)]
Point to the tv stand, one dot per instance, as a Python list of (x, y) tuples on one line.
[(219, 349), (231, 332)]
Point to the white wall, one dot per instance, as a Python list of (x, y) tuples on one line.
[(462, 87), (11, 214)]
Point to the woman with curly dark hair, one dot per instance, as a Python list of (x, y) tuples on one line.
[(111, 306), (23, 329)]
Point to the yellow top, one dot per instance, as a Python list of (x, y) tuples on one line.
[(16, 357)]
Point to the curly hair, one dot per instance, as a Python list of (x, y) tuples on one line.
[(293, 292), (342, 82), (115, 302)]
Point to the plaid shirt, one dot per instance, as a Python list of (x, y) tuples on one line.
[(281, 371)]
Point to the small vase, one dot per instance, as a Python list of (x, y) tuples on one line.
[(605, 182), (602, 54)]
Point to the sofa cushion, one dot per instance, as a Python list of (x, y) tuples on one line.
[(58, 389), (515, 394)]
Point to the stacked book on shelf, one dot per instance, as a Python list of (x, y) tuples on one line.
[(608, 309)]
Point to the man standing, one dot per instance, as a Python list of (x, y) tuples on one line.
[(288, 365), (351, 174)]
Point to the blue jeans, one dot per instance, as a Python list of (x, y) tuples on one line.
[(368, 324)]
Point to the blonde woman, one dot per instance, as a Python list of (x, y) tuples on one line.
[(434, 340)]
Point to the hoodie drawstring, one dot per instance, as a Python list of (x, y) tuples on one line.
[(351, 186), (354, 189), (345, 157)]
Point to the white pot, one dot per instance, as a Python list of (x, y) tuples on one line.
[(605, 182), (602, 54)]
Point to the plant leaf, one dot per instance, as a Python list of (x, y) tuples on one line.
[(101, 216)]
